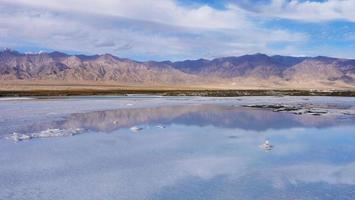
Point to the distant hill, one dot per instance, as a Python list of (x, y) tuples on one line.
[(248, 71)]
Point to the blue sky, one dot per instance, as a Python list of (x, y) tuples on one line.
[(180, 29)]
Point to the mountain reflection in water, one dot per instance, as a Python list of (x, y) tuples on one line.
[(188, 149), (221, 116)]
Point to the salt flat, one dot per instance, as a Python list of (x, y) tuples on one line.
[(150, 147)]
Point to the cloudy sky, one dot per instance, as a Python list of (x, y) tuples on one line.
[(180, 29)]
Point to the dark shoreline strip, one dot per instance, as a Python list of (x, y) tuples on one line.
[(211, 93)]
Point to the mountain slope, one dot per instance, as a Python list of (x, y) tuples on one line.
[(246, 71), (104, 68)]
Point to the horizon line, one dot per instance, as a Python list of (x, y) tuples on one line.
[(151, 60)]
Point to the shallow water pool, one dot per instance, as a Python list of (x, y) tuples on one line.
[(184, 148)]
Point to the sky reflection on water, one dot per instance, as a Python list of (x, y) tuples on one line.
[(205, 151)]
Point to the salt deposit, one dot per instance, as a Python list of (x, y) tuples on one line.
[(136, 129), (45, 134)]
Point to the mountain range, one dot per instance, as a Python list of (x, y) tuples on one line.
[(247, 71)]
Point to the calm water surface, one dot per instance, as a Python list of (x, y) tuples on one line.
[(188, 148)]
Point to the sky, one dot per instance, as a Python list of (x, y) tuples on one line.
[(180, 29)]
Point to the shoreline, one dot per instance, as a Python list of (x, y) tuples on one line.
[(176, 92)]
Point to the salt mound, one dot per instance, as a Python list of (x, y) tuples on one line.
[(56, 133), (160, 126), (18, 137), (45, 134), (136, 129), (266, 146)]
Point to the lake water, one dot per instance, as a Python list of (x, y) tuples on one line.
[(179, 148)]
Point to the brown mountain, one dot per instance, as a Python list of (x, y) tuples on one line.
[(248, 71)]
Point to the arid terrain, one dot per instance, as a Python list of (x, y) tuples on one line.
[(57, 71)]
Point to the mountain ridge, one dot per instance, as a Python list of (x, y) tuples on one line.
[(252, 70)]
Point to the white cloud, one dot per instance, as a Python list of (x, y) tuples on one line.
[(143, 29), (160, 11), (312, 11)]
